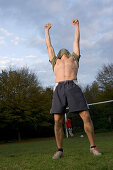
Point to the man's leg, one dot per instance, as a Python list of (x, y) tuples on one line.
[(88, 126), (89, 129), (58, 128)]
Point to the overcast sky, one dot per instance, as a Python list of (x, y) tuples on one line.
[(22, 42)]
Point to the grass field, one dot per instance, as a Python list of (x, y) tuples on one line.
[(37, 155)]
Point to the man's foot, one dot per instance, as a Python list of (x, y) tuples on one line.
[(58, 155), (95, 151), (75, 22)]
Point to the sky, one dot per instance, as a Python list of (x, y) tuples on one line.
[(22, 36)]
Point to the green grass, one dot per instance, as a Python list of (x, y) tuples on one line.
[(37, 155)]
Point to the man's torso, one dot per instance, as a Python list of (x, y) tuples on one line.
[(66, 69)]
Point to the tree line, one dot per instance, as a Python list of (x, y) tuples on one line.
[(25, 104)]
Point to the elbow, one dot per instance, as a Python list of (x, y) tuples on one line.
[(49, 45)]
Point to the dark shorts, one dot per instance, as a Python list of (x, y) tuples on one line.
[(68, 94)]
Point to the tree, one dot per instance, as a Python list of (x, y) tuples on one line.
[(100, 90), (105, 82), (105, 77), (92, 92), (17, 89)]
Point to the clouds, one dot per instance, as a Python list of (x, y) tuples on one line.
[(22, 34), (5, 32), (2, 40), (37, 41), (3, 63), (18, 40), (8, 61)]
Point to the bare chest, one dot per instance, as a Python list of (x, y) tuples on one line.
[(65, 62)]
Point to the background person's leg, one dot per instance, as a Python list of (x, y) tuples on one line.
[(71, 134)]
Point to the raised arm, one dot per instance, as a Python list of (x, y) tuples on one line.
[(76, 48), (51, 52)]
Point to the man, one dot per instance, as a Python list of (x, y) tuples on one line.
[(67, 91), (69, 127)]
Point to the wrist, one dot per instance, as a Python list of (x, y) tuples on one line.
[(47, 30)]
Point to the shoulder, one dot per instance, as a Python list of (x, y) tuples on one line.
[(53, 61), (75, 56)]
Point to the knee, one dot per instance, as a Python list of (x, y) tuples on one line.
[(58, 123), (85, 116)]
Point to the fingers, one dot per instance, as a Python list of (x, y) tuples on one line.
[(48, 26), (75, 22)]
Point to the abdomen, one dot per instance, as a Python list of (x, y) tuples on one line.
[(66, 71)]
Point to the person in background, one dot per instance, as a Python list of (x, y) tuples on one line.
[(69, 127)]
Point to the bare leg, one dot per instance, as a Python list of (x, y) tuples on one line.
[(58, 118), (71, 134), (76, 48), (88, 126)]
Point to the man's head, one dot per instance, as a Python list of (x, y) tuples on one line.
[(62, 52)]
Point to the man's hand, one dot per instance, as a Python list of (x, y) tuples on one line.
[(47, 26), (75, 22)]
